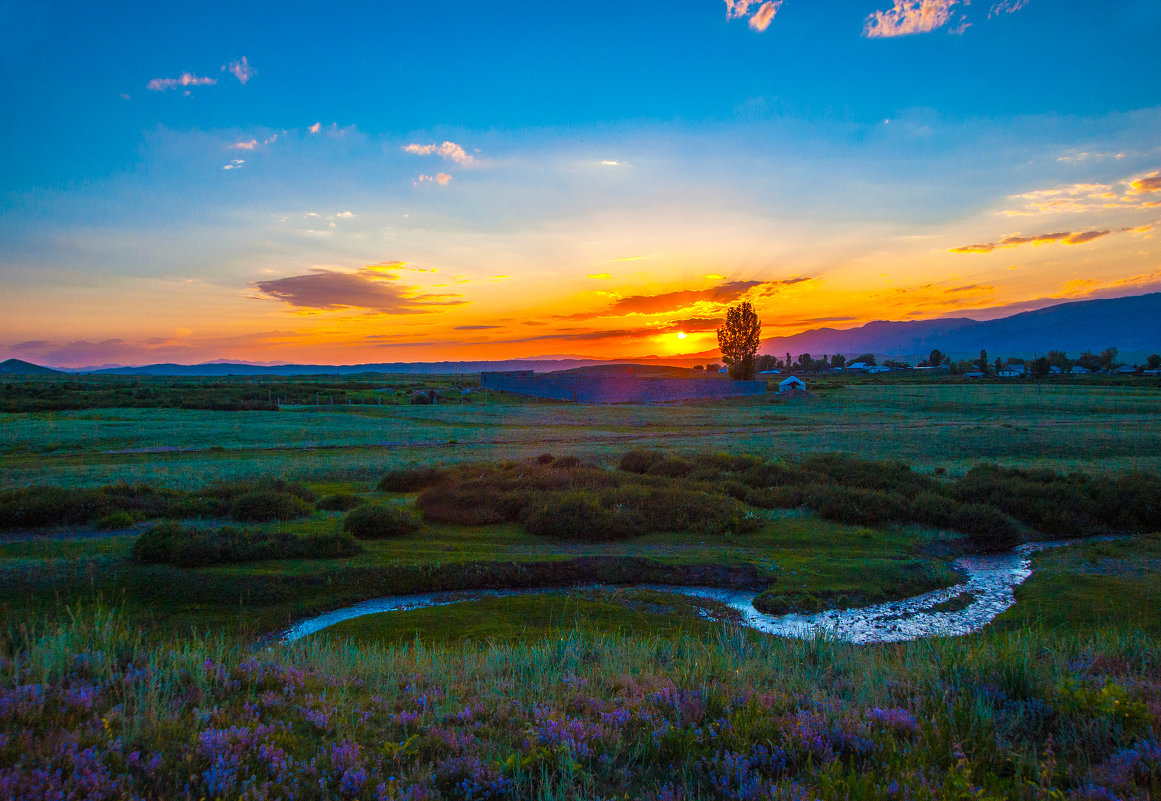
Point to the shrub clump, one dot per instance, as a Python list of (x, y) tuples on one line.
[(986, 527), (856, 506), (632, 510), (639, 461), (339, 502), (375, 522), (264, 505), (174, 544), (411, 479)]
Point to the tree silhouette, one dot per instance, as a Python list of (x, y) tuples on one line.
[(738, 340)]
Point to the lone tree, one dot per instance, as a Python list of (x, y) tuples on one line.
[(738, 340)]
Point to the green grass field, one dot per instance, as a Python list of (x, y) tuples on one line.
[(931, 426)]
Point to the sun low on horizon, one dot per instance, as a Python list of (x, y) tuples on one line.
[(383, 183)]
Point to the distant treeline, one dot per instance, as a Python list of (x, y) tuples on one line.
[(53, 393)]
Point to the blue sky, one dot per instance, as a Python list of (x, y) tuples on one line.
[(198, 182)]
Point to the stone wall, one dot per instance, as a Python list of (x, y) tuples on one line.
[(618, 388)]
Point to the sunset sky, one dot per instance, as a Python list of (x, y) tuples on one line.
[(347, 182)]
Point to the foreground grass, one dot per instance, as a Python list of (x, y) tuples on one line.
[(93, 707)]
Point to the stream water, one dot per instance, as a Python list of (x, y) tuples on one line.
[(988, 591)]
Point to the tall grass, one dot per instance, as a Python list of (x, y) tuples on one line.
[(96, 707)]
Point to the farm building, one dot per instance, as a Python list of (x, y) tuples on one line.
[(792, 384)]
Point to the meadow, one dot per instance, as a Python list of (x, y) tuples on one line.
[(129, 672)]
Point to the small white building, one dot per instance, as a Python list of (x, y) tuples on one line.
[(878, 369), (855, 367), (1010, 372), (792, 384), (1076, 369)]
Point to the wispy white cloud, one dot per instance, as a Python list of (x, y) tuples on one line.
[(240, 69), (760, 14), (907, 17), (448, 150), (1007, 7), (235, 164), (186, 79)]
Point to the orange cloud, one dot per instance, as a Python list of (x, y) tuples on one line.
[(907, 17), (1147, 183), (367, 288), (448, 150), (760, 18), (186, 79), (686, 298), (250, 145), (1066, 237)]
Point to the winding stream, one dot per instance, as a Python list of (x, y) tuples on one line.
[(991, 583)]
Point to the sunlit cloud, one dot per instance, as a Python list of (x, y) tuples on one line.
[(370, 288), (448, 150), (765, 15), (234, 164), (1147, 183), (1064, 237), (247, 145), (908, 17), (686, 298), (1127, 193), (315, 128), (609, 163), (240, 69), (476, 327), (441, 178), (186, 79), (761, 16), (602, 276)]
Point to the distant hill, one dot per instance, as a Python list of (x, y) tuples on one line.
[(217, 369), (20, 367), (643, 370), (1130, 324)]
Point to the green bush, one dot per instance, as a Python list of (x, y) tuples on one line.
[(339, 502), (375, 522), (33, 507), (116, 520), (986, 527), (174, 544), (264, 505), (639, 461), (786, 497), (411, 479), (856, 506), (670, 467), (932, 509)]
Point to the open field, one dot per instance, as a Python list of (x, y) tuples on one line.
[(930, 426)]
